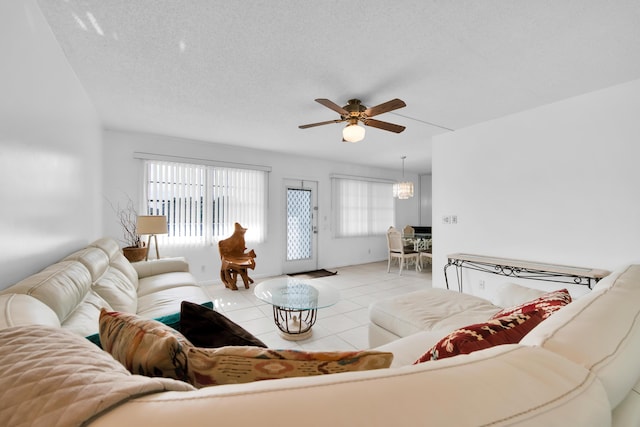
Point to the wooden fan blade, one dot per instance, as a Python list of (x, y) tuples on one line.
[(335, 107), (384, 125), (320, 124), (394, 104)]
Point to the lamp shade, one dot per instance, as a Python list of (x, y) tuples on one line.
[(152, 224), (403, 190), (353, 133)]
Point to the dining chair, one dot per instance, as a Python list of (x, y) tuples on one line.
[(399, 251)]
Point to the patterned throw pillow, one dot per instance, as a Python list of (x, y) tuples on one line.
[(205, 327), (547, 304), (504, 330), (233, 365), (144, 346)]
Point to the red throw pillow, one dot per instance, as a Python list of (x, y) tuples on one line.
[(504, 330), (547, 304)]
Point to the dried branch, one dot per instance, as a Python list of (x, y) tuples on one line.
[(128, 218)]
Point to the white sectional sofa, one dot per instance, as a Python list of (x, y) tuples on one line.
[(579, 367), (70, 293)]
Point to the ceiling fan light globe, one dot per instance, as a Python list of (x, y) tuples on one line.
[(353, 133)]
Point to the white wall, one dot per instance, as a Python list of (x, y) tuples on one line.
[(50, 140), (555, 184), (122, 179), (426, 202)]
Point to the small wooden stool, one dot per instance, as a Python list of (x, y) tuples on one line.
[(232, 267)]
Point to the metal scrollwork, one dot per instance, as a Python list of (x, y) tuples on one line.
[(511, 271)]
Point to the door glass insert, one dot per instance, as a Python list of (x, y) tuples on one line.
[(299, 224)]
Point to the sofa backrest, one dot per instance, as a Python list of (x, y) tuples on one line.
[(23, 310), (508, 385), (74, 290), (112, 276), (61, 286), (117, 259), (600, 331)]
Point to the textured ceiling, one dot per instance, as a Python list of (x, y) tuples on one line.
[(247, 73)]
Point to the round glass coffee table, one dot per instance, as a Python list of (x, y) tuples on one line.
[(295, 303)]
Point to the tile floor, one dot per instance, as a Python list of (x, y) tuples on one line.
[(342, 326)]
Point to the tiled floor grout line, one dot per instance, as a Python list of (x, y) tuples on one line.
[(342, 326)]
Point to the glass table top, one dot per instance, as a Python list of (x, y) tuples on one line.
[(296, 294)]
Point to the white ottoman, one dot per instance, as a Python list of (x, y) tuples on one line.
[(437, 310)]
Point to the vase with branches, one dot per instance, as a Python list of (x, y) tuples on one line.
[(134, 249)]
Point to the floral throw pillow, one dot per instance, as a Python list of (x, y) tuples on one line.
[(546, 304), (242, 364), (144, 346), (504, 330)]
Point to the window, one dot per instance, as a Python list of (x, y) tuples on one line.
[(362, 208), (202, 202)]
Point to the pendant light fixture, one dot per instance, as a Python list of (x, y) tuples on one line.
[(403, 190)]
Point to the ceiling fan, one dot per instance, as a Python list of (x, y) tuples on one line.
[(355, 112)]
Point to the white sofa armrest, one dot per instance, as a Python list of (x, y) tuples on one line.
[(160, 266)]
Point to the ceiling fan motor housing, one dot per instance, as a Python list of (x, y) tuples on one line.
[(355, 110)]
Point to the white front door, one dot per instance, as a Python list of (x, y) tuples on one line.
[(302, 226)]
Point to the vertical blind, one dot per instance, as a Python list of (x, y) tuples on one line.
[(203, 202), (362, 208)]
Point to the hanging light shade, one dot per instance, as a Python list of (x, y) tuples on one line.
[(403, 190), (353, 132)]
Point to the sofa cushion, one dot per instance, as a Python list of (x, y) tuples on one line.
[(232, 365), (146, 347), (84, 319), (205, 327), (600, 331), (154, 267), (169, 280), (547, 304), (117, 290), (503, 330), (167, 301)]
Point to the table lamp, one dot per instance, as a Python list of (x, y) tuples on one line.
[(152, 225)]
